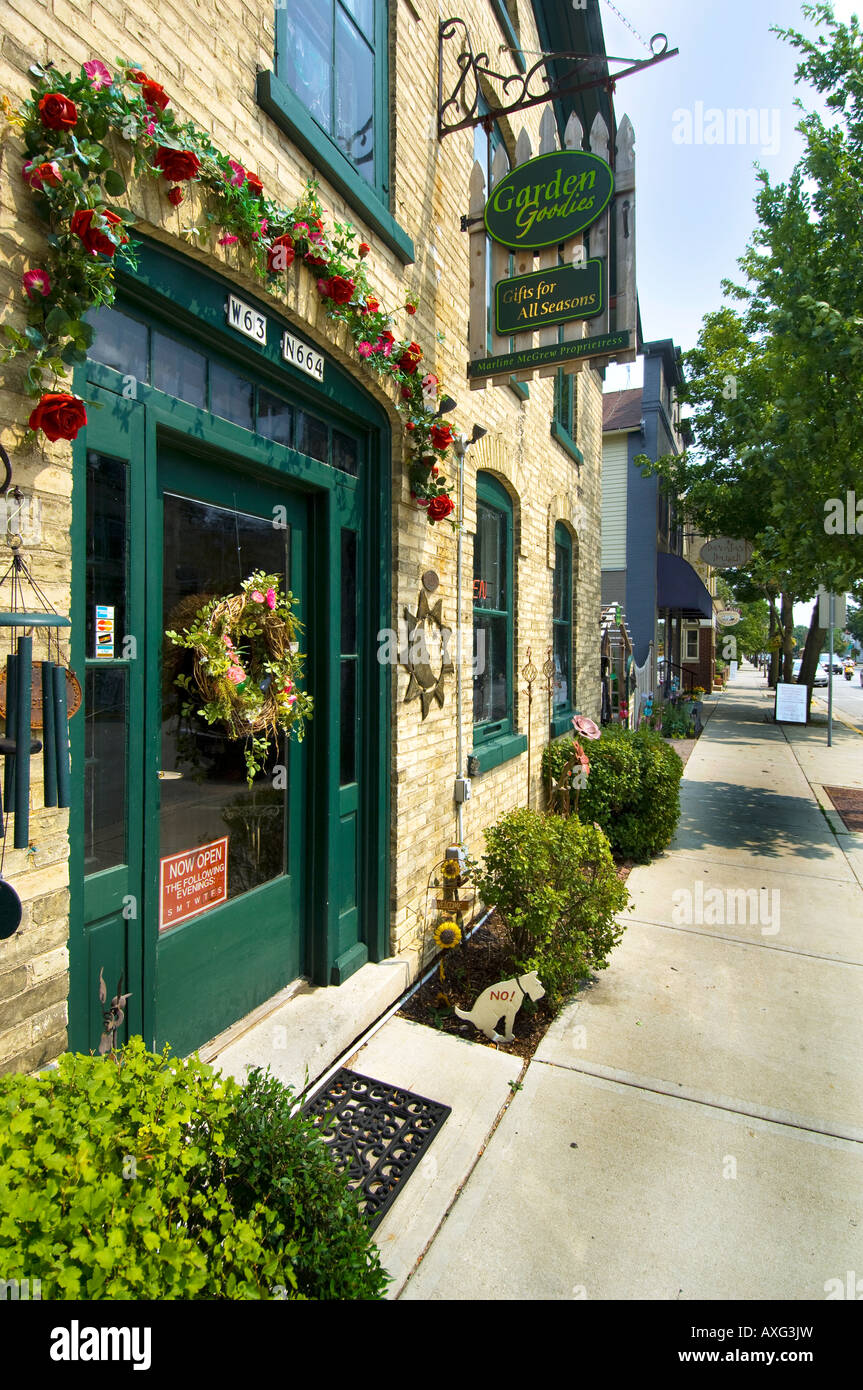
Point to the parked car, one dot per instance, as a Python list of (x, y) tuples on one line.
[(820, 674)]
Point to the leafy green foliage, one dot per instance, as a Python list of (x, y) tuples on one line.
[(633, 791), (554, 884), (278, 1158), (100, 1184), (139, 1176)]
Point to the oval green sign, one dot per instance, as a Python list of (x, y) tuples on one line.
[(548, 199)]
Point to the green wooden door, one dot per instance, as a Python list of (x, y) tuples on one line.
[(223, 860)]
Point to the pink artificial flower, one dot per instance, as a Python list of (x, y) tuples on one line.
[(364, 349), (257, 596), (585, 726), (228, 240), (98, 74), (291, 700), (36, 282), (263, 227), (150, 128), (37, 175), (226, 638), (288, 686), (239, 174), (271, 598), (236, 675)]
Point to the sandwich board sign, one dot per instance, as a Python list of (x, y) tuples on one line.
[(791, 703)]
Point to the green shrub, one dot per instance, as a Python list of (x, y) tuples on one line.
[(554, 884), (100, 1190), (138, 1176), (279, 1158), (633, 791)]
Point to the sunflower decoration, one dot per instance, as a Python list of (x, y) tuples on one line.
[(442, 1001), (450, 871), (447, 935)]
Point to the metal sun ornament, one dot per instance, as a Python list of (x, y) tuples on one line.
[(428, 638)]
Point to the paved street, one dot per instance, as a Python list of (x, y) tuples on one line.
[(690, 1127)]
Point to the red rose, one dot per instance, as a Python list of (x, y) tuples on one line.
[(57, 112), (411, 308), (372, 306), (58, 415), (440, 507), (154, 94), (338, 289), (281, 254), (94, 237), (314, 261), (175, 196), (137, 75), (37, 175), (441, 436), (410, 426), (406, 393), (254, 183), (410, 358), (176, 165), (363, 249)]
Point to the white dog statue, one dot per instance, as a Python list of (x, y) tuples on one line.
[(502, 1001)]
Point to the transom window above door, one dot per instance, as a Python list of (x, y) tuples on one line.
[(156, 359)]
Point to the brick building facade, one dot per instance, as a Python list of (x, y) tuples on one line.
[(91, 904)]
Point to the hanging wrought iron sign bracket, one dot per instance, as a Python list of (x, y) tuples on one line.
[(475, 68)]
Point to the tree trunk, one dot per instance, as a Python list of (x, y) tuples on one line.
[(787, 616), (774, 653), (811, 652)]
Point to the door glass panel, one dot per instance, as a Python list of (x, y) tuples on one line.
[(106, 545), (348, 721), (489, 687), (105, 742), (230, 396), (275, 419), (312, 436), (120, 342), (179, 370), (204, 797), (345, 453)]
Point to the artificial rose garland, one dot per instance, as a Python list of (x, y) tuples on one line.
[(59, 415), (75, 180)]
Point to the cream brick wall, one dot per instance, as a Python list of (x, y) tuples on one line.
[(207, 53)]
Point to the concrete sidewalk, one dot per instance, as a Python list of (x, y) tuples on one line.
[(690, 1127)]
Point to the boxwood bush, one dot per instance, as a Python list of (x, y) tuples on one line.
[(555, 887), (633, 791), (138, 1176)]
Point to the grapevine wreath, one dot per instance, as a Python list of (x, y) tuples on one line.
[(247, 666)]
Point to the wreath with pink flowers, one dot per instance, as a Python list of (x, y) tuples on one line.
[(247, 666), (71, 126)]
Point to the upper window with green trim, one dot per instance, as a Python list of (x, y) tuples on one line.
[(493, 610), (332, 54)]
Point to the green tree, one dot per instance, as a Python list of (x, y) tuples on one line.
[(776, 384)]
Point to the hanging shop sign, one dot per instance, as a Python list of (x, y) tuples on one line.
[(605, 345), (245, 319), (725, 553), (548, 199), (546, 297), (728, 617), (192, 882)]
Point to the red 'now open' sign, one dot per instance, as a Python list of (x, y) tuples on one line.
[(192, 882)]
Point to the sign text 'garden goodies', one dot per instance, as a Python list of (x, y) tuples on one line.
[(70, 127), (547, 199)]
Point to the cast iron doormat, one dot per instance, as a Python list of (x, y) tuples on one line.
[(377, 1132), (849, 803)]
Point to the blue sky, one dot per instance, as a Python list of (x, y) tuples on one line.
[(695, 209)]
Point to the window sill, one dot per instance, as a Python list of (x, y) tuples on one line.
[(499, 750), (290, 116), (561, 723), (565, 440)]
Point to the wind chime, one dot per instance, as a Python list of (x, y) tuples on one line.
[(32, 695)]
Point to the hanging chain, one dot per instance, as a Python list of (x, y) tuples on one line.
[(622, 17)]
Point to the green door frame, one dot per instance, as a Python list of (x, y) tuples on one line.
[(175, 295)]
